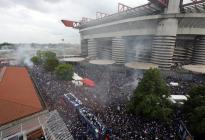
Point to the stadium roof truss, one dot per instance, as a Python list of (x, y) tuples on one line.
[(123, 12), (51, 123), (55, 128), (197, 6), (152, 8)]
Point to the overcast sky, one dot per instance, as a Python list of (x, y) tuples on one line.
[(38, 21)]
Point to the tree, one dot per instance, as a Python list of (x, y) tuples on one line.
[(194, 109), (197, 119), (196, 98), (36, 60), (49, 59), (50, 64), (64, 71), (150, 97), (6, 44), (152, 83), (44, 55)]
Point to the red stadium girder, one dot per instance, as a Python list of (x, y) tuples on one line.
[(161, 3), (69, 23), (123, 7), (194, 0)]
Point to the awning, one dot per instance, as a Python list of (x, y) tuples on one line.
[(76, 77), (88, 82)]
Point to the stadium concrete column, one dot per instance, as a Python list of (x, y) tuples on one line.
[(84, 48), (92, 49), (199, 51), (118, 50), (164, 41)]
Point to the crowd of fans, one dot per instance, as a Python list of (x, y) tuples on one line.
[(184, 85), (107, 100)]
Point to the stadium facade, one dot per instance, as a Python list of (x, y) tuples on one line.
[(161, 32)]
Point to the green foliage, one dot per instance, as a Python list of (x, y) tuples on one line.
[(196, 91), (196, 98), (6, 44), (152, 83), (50, 64), (64, 71), (195, 110), (197, 119), (9, 45), (48, 59), (38, 53), (150, 97), (36, 60), (44, 55)]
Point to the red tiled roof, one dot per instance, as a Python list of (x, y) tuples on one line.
[(18, 97)]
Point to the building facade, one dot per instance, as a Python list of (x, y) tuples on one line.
[(155, 33)]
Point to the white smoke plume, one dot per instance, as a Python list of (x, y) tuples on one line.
[(23, 54)]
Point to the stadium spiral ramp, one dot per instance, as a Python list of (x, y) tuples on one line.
[(199, 51), (118, 50), (183, 52), (162, 51), (104, 52), (84, 48), (92, 48)]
